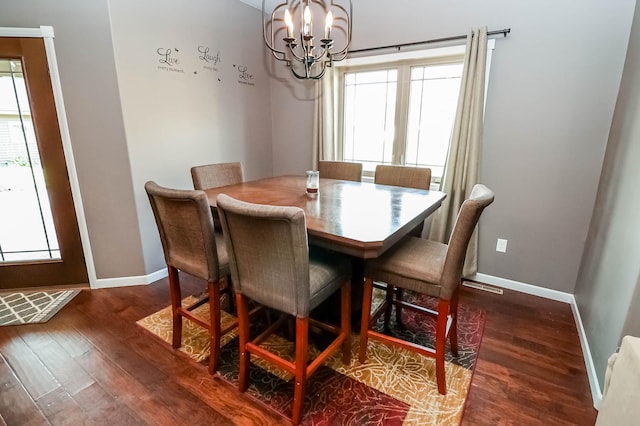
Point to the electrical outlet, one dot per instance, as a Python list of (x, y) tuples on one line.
[(501, 245)]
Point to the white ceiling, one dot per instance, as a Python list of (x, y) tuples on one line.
[(268, 5)]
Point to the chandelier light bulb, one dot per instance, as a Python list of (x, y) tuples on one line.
[(289, 23), (307, 21), (328, 24)]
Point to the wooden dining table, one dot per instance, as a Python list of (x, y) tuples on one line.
[(359, 219)]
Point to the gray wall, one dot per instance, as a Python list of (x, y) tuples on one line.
[(87, 72), (131, 121), (196, 115), (608, 287), (550, 101)]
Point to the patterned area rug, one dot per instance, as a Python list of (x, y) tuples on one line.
[(32, 307), (394, 386)]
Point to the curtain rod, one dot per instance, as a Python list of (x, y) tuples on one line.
[(504, 32)]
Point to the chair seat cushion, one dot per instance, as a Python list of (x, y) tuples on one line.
[(415, 264), (327, 272)]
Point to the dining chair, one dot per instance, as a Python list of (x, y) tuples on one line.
[(405, 176), (271, 264), (192, 246), (424, 267), (340, 170), (215, 175)]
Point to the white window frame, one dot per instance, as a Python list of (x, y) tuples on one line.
[(403, 62)]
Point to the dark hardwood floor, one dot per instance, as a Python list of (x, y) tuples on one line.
[(91, 364)]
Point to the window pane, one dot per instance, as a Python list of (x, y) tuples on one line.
[(442, 71), (432, 106), (382, 76), (369, 116)]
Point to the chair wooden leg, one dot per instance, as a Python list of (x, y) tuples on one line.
[(214, 332), (243, 331), (453, 331), (366, 315), (302, 341), (387, 310), (345, 318), (441, 340), (176, 302), (399, 294)]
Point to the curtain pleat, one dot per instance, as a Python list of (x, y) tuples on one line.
[(324, 128), (461, 171)]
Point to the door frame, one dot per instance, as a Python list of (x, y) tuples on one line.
[(47, 34)]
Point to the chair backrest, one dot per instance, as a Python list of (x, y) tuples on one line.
[(186, 230), (408, 177), (340, 170), (268, 253), (215, 175), (466, 222)]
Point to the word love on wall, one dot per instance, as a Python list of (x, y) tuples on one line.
[(244, 76)]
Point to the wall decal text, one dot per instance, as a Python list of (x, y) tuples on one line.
[(168, 59)]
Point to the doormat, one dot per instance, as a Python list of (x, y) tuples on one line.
[(18, 308), (394, 386)]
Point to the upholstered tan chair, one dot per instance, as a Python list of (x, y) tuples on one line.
[(272, 264), (426, 267), (340, 170), (192, 246), (408, 177), (215, 175), (405, 176)]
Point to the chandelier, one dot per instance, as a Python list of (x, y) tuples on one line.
[(294, 36)]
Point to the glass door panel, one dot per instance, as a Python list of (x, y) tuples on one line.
[(27, 231)]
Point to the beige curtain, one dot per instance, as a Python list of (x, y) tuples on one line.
[(324, 127), (461, 170)]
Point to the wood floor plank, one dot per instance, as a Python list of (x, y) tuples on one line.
[(33, 375), (102, 408), (16, 405), (59, 363), (126, 389), (60, 408), (63, 331)]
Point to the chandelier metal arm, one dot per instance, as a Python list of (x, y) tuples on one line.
[(349, 24), (307, 75), (264, 33)]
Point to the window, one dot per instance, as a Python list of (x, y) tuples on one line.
[(399, 111)]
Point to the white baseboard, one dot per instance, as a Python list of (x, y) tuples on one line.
[(130, 281), (534, 290), (596, 393), (592, 373)]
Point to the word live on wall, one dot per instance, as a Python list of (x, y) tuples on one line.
[(202, 59)]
